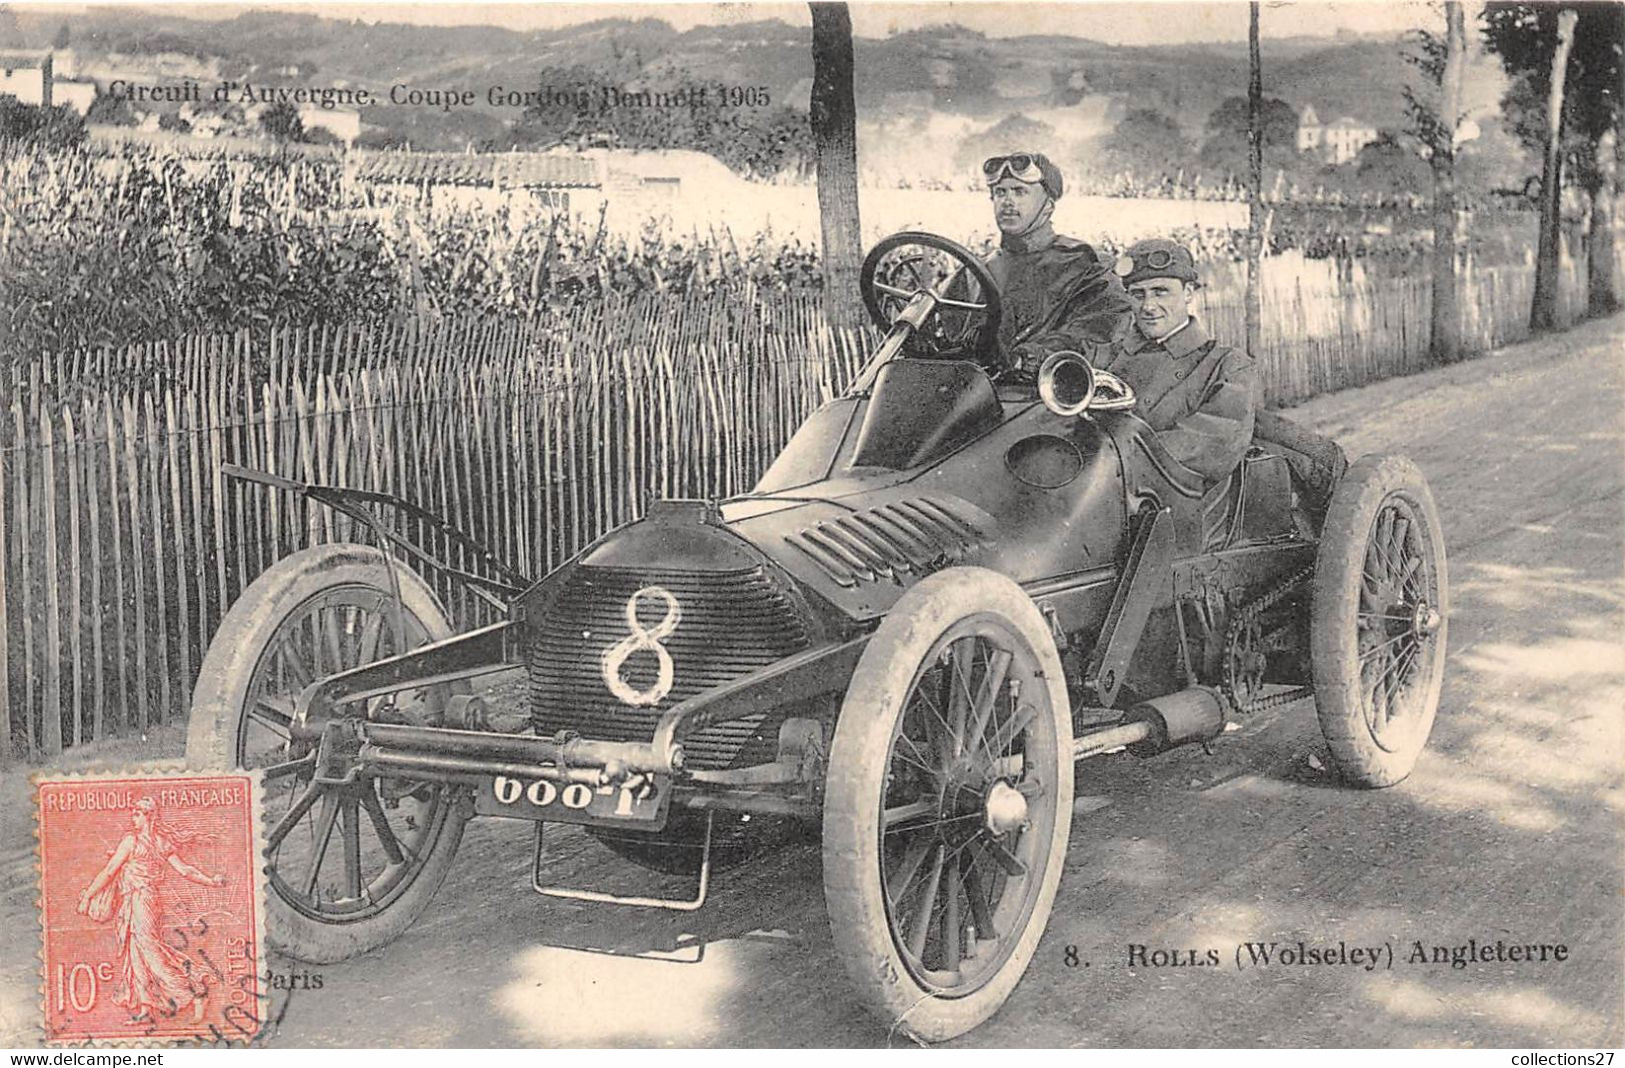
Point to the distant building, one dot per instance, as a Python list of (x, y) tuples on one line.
[(556, 182), (1338, 141), (662, 174), (340, 122), (27, 76), (152, 68)]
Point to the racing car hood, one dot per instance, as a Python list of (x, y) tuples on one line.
[(931, 470)]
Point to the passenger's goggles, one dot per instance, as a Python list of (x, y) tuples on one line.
[(1023, 166), (1157, 259)]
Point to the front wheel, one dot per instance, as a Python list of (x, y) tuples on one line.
[(948, 803), (1378, 620), (348, 867)]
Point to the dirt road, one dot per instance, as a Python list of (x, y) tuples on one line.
[(1508, 831)]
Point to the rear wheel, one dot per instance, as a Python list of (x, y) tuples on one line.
[(948, 803), (1378, 620), (348, 867)]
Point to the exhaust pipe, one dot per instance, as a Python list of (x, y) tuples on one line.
[(1193, 715), (1158, 725)]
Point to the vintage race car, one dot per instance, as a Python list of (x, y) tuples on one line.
[(944, 593)]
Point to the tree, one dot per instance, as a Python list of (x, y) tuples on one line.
[(833, 115), (1602, 288), (1225, 147), (1435, 118), (1253, 316), (1389, 167), (764, 145), (1543, 313), (62, 38), (1525, 37), (281, 120), (571, 108), (1146, 143), (1013, 133), (1602, 292), (109, 110)]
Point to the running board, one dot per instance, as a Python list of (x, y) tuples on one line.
[(602, 898)]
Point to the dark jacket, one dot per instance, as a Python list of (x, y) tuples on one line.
[(1198, 395), (1056, 295)]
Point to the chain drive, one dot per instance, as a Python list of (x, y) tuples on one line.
[(1240, 624)]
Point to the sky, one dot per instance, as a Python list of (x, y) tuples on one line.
[(1145, 23)]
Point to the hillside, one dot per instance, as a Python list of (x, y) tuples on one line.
[(942, 73)]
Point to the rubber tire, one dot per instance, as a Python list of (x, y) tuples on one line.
[(211, 736), (1339, 563), (852, 796)]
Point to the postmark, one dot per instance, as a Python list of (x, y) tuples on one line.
[(151, 908)]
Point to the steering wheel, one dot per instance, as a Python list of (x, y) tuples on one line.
[(963, 320)]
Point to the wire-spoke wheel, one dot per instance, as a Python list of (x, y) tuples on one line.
[(1378, 621), (948, 803), (348, 866)]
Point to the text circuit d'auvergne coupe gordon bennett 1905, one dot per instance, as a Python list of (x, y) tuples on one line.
[(945, 592)]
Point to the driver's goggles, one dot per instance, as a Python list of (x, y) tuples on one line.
[(1023, 166)]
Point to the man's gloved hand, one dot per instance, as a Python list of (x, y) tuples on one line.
[(1023, 364), (1025, 360)]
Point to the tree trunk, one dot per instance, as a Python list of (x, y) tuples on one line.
[(1543, 313), (1604, 294), (1444, 338), (1600, 296), (1619, 169), (1255, 181), (835, 139)]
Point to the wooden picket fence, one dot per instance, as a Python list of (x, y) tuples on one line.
[(122, 544), (1329, 325)]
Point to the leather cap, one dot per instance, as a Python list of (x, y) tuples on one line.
[(1155, 257)]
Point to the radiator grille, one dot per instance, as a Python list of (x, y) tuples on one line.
[(732, 623)]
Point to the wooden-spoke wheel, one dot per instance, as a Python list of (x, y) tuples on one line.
[(969, 798), (349, 866), (948, 803), (1378, 624), (336, 853)]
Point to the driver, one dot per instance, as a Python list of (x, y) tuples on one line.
[(1056, 294), (1197, 394)]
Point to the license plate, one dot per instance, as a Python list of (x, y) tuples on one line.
[(643, 806)]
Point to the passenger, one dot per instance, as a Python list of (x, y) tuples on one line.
[(1055, 291), (1200, 396)]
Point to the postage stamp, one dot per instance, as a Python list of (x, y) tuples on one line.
[(150, 908)]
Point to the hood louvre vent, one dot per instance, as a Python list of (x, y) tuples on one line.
[(914, 536)]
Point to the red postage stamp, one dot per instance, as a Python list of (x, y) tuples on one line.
[(151, 908)]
